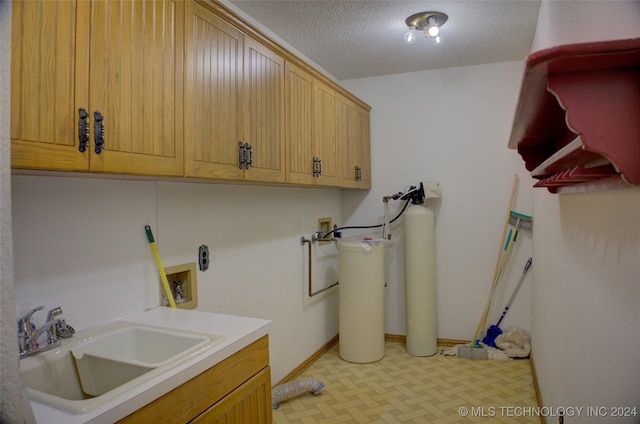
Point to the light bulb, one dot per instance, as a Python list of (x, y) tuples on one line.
[(410, 36), (434, 31), (437, 39)]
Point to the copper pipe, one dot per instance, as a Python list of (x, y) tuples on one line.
[(311, 292)]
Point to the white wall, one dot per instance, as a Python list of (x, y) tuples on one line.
[(580, 21), (12, 407), (80, 243), (450, 125), (586, 283), (94, 261)]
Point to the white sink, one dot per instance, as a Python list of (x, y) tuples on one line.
[(141, 344), (93, 368)]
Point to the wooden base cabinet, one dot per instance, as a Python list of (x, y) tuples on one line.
[(235, 391), (249, 403)]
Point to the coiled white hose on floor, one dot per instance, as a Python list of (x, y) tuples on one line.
[(294, 388)]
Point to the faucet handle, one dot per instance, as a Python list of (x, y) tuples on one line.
[(53, 324), (54, 313), (24, 323)]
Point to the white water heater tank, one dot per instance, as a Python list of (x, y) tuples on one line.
[(420, 280), (361, 300)]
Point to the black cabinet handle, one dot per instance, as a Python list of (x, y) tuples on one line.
[(83, 129), (98, 131), (245, 155), (248, 156), (358, 173)]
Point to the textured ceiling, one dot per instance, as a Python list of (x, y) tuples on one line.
[(362, 38)]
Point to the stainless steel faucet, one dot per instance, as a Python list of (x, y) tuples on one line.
[(52, 323), (27, 336)]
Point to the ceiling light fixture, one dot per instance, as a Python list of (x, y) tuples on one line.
[(427, 22)]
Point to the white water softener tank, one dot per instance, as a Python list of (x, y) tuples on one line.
[(361, 300), (420, 276)]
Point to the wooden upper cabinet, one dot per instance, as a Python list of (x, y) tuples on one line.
[(234, 102), (175, 88), (120, 59), (44, 60), (346, 134), (310, 107), (263, 112), (135, 75), (363, 141), (353, 134), (213, 80), (299, 108), (325, 140)]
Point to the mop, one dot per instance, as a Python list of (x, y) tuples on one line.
[(516, 221), (494, 330)]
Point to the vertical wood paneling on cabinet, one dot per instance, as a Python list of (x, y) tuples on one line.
[(325, 133), (346, 135), (136, 84), (353, 144), (127, 60), (263, 112), (43, 87), (214, 51), (363, 136), (249, 403), (299, 109)]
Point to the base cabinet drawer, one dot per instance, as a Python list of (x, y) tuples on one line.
[(249, 403)]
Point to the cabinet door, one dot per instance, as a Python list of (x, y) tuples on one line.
[(48, 84), (363, 140), (325, 134), (263, 112), (249, 403), (135, 71), (347, 145), (353, 145), (299, 125), (213, 80)]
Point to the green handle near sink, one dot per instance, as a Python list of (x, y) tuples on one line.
[(163, 275), (149, 234)]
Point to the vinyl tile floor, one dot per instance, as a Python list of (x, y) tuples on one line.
[(401, 388)]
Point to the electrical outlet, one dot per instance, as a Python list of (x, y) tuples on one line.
[(324, 226), (203, 257)]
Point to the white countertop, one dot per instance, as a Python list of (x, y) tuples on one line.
[(239, 332)]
